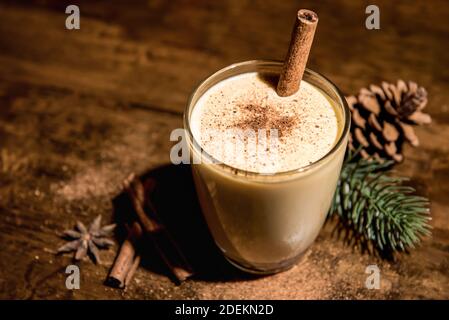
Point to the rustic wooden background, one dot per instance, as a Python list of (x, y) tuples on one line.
[(81, 109)]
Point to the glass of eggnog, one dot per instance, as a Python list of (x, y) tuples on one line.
[(265, 167)]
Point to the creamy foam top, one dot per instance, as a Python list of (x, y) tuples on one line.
[(227, 119)]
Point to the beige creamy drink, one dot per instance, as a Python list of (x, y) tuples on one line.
[(306, 123), (264, 209)]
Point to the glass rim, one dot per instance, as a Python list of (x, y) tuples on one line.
[(237, 171)]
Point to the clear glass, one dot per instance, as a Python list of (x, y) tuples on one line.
[(264, 223)]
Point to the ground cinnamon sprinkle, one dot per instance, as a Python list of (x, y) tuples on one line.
[(265, 117)]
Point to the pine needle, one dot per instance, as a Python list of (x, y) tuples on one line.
[(378, 209)]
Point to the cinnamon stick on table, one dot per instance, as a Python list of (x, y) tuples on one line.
[(167, 248), (147, 223), (127, 259), (298, 52)]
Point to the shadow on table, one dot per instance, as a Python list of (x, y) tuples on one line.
[(175, 200)]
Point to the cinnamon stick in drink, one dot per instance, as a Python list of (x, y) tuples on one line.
[(298, 52)]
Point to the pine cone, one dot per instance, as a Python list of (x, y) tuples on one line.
[(383, 118)]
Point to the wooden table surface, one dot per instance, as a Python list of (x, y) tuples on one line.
[(81, 109)]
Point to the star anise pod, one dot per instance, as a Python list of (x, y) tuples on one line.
[(88, 240)]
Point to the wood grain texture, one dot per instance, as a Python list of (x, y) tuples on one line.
[(80, 110)]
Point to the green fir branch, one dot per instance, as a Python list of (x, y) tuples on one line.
[(378, 209)]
